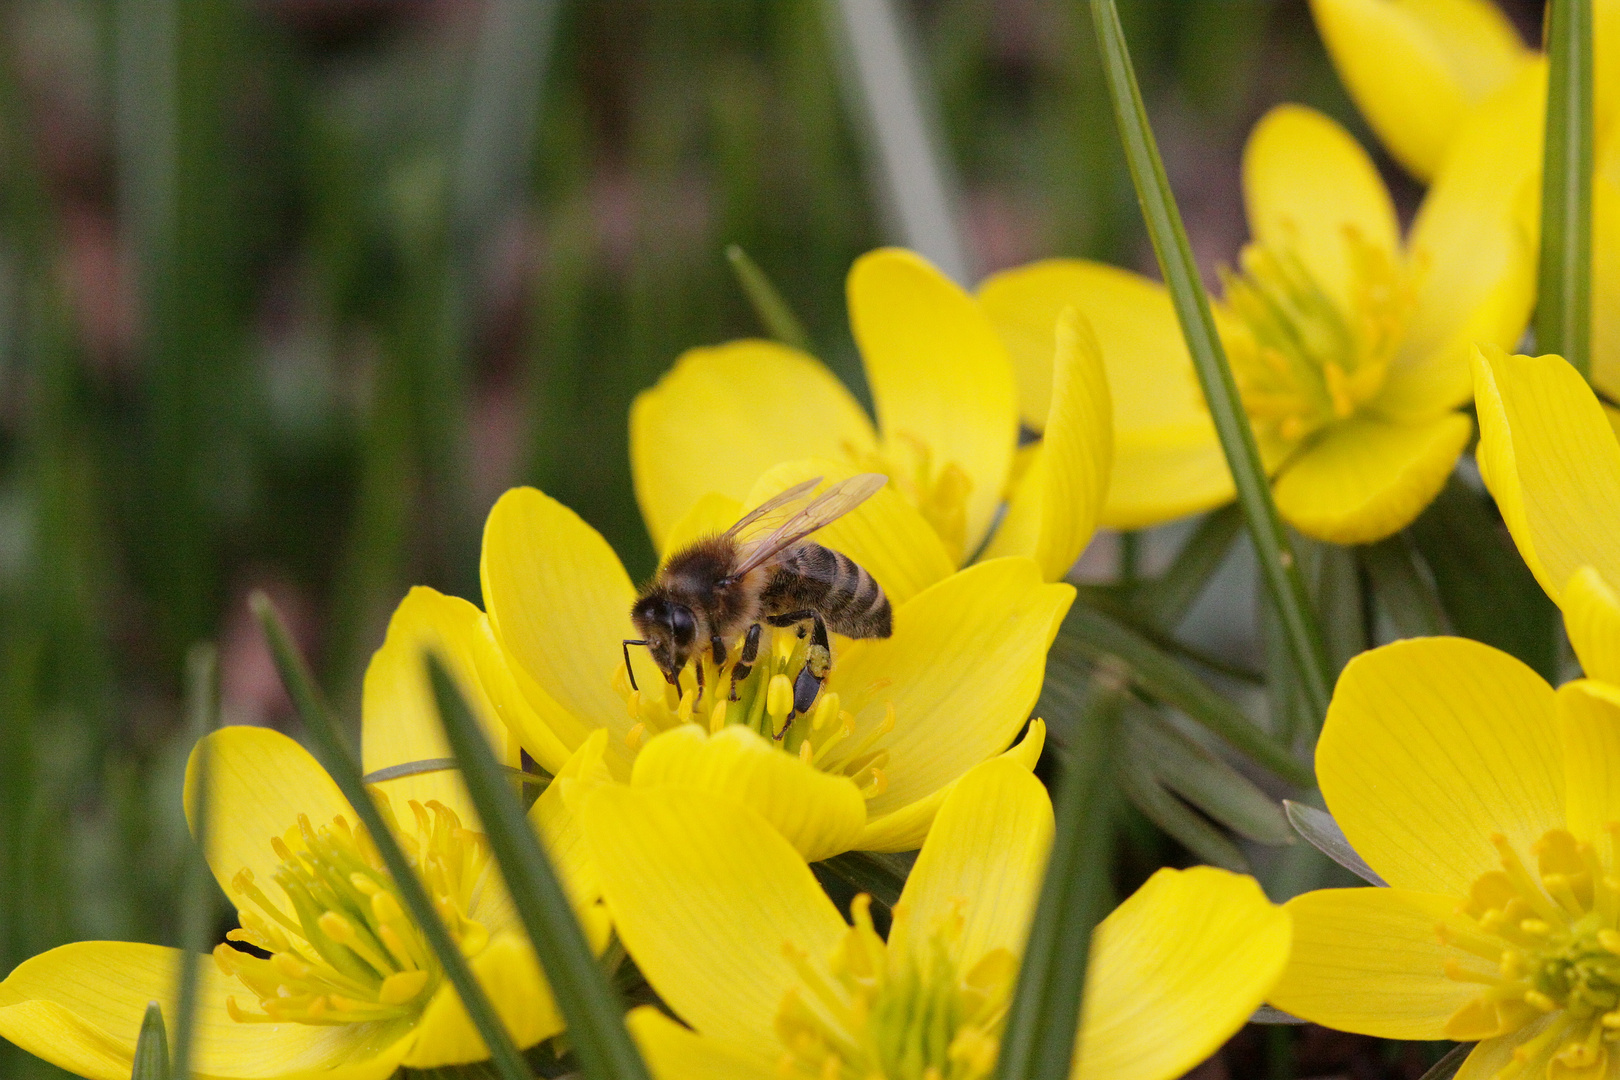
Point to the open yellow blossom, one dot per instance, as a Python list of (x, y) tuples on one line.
[(1349, 345), (1491, 805), (897, 721), (349, 988), (947, 407), (1553, 463), (1450, 85), (730, 927)]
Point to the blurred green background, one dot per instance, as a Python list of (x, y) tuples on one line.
[(291, 290)]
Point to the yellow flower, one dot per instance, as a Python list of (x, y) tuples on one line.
[(947, 412), (898, 720), (1491, 805), (1350, 346), (730, 927), (1449, 86), (350, 989), (1553, 464)]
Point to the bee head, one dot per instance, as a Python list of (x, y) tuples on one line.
[(669, 629)]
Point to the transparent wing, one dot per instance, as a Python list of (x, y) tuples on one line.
[(818, 513), (765, 517)]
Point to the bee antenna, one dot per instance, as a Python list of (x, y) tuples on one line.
[(628, 670)]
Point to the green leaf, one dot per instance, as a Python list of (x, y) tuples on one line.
[(879, 875), (1167, 598), (1301, 630), (774, 312), (345, 772), (151, 1047), (594, 1013), (1564, 283), (1485, 588), (1198, 776), (1318, 827), (1196, 834), (198, 903), (1402, 591), (1043, 1019), (1448, 1066), (1092, 635)]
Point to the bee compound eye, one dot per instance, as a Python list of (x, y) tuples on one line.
[(681, 621)]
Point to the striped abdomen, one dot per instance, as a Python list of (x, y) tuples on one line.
[(811, 577)]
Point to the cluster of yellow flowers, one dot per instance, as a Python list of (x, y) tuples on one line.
[(1488, 801)]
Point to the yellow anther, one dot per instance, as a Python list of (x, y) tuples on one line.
[(401, 987), (636, 735), (385, 909), (806, 752), (683, 711), (633, 703), (1537, 1000), (717, 717), (779, 698), (826, 709), (336, 927)]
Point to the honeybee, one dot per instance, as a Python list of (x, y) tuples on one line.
[(763, 571)]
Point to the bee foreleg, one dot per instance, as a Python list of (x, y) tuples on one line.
[(719, 648), (628, 670), (745, 659), (817, 663), (698, 666)]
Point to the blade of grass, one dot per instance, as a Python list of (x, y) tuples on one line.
[(1302, 631), (1044, 1018), (882, 876), (773, 310), (1564, 285), (1167, 598), (1202, 779), (151, 1046), (1451, 1064), (594, 1013), (1096, 636), (345, 771), (1176, 818), (1399, 585), (197, 899)]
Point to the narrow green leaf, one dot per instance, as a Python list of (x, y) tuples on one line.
[(1093, 635), (1266, 1014), (1195, 833), (1402, 591), (1318, 827), (151, 1047), (594, 1013), (1167, 598), (1199, 777), (1043, 1020), (1448, 1066), (774, 312), (882, 876), (1564, 285), (345, 772), (1487, 591), (1116, 603), (1301, 631), (197, 900)]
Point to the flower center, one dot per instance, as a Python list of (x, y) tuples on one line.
[(893, 1012), (939, 490), (824, 737), (1303, 359), (347, 952), (1553, 940)]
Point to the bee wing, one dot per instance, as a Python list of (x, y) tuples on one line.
[(818, 513), (772, 511)]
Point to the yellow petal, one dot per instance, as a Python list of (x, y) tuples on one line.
[(1592, 618), (1305, 183), (988, 846), (1432, 745), (1175, 971), (556, 816), (723, 415), (885, 534), (1167, 462), (906, 828), (938, 373), (1589, 725), (673, 1052), (705, 895), (1369, 961), (1054, 508), (504, 685), (399, 718), (1414, 69), (510, 974), (1492, 1057), (963, 670), (713, 513), (1551, 460), (559, 601), (1364, 479), (1473, 250), (80, 1007), (259, 782), (821, 815)]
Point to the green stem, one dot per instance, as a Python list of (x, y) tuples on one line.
[(1276, 557), (773, 310), (345, 772), (1564, 307), (197, 899)]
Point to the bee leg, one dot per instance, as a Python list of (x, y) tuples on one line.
[(698, 667), (719, 648), (745, 660), (817, 663)]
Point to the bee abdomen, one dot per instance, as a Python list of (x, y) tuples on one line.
[(850, 600)]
